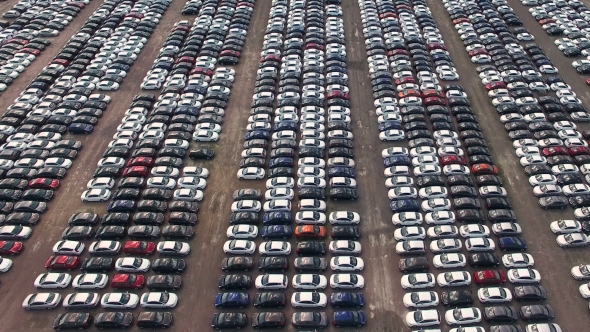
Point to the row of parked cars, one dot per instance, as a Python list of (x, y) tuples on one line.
[(582, 272), (422, 160), (549, 146), (40, 18), (570, 19)]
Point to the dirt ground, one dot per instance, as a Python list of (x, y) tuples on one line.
[(383, 291)]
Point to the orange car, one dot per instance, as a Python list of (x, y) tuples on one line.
[(483, 169), (310, 232), (409, 93)]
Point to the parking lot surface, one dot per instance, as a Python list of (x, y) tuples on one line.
[(383, 292)]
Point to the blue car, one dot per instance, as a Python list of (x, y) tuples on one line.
[(277, 218), (404, 205), (276, 232), (349, 318), (188, 110), (232, 300), (346, 172), (390, 125), (258, 134), (286, 125), (347, 299), (281, 162), (80, 128), (123, 205), (397, 161), (512, 243)]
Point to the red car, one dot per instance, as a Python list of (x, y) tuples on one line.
[(135, 171), (388, 14), (139, 248), (489, 277), (230, 53), (461, 20), (270, 57), (310, 232), (44, 183), (578, 150), (204, 71), (188, 59), (314, 46), (546, 20), (11, 247), (495, 85), (181, 27), (554, 151), (434, 101), (451, 159), (141, 161), (478, 51), (483, 169), (127, 281), (409, 93), (396, 52), (405, 80), (337, 94), (62, 263), (31, 51), (436, 46), (430, 93), (62, 62)]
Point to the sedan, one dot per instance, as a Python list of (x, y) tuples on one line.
[(239, 247), (463, 316)]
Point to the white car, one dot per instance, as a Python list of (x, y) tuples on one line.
[(159, 300), (449, 261), (309, 282), (271, 281), (494, 295), (402, 193), (407, 219), (433, 192), (479, 244), (440, 218), (239, 247), (101, 183), (246, 206), (347, 281), (119, 301), (436, 204), (246, 232), (420, 318), (454, 279), (251, 173), (575, 189), (506, 227), (282, 182), (81, 300), (474, 230), (346, 264), (41, 301), (90, 281), (445, 245), (173, 248), (409, 233), (572, 240), (421, 299), (68, 248), (132, 264), (309, 300), (463, 316), (104, 248), (442, 231), (310, 218), (344, 218), (524, 276), (565, 226), (345, 247), (417, 281), (518, 260), (58, 162), (581, 272), (275, 248), (53, 280)]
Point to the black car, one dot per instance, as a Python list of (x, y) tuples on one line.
[(177, 232), (500, 314), (238, 218), (345, 232), (201, 153), (269, 300), (483, 259), (168, 265), (116, 218), (110, 232), (182, 218), (268, 320), (312, 248), (310, 319), (131, 182), (268, 264), (244, 194), (229, 320), (72, 320), (530, 293), (181, 206), (414, 264), (238, 263), (164, 282), (83, 218), (506, 328), (97, 264), (154, 319), (456, 298), (52, 172), (148, 218), (537, 312), (76, 233), (118, 320), (234, 281), (553, 202), (313, 193), (503, 215), (350, 194)]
